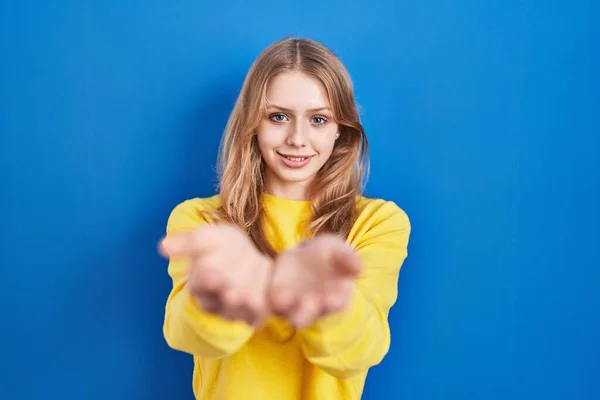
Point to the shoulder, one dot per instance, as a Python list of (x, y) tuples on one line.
[(380, 221), (190, 213), (376, 211)]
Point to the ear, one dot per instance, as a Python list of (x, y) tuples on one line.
[(337, 135)]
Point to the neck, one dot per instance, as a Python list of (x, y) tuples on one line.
[(287, 190)]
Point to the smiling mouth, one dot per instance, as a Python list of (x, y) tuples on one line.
[(295, 158)]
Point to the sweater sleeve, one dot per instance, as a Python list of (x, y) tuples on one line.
[(187, 327), (352, 341)]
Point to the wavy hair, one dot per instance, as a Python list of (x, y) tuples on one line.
[(334, 191)]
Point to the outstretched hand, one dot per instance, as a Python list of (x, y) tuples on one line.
[(313, 280), (227, 275)]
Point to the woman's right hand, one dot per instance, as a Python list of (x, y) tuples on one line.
[(227, 275)]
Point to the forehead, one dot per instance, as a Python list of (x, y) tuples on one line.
[(296, 91)]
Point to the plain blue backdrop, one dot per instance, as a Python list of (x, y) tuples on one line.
[(483, 119)]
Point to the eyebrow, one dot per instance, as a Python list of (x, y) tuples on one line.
[(324, 108)]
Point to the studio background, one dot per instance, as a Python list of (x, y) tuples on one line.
[(483, 122)]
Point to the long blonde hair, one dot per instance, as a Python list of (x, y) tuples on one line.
[(333, 192)]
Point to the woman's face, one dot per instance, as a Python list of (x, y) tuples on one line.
[(297, 133)]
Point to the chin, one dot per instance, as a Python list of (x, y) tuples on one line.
[(295, 177)]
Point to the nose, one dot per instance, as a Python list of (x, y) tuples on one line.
[(297, 134)]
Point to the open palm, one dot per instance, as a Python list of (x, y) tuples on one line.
[(313, 280)]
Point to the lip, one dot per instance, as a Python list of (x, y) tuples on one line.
[(295, 155), (294, 164)]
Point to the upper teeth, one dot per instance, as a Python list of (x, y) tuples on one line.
[(296, 158)]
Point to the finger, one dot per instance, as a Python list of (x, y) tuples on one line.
[(161, 248), (211, 282), (337, 294), (308, 308), (177, 246), (210, 304), (184, 244), (251, 316), (260, 313), (229, 314), (334, 301), (258, 322), (202, 281), (238, 313), (256, 305), (230, 304), (347, 262), (232, 299), (282, 301)]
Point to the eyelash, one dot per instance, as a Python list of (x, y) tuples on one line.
[(321, 117)]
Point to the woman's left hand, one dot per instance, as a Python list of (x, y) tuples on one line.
[(313, 279)]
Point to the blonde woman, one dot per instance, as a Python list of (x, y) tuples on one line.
[(283, 281)]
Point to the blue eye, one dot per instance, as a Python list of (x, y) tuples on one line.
[(278, 117), (319, 120)]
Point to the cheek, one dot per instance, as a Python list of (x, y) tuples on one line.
[(325, 141), (267, 137)]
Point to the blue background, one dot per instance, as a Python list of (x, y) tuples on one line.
[(483, 118)]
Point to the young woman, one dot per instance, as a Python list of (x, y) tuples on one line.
[(282, 283)]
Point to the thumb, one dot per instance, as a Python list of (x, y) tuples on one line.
[(177, 245), (346, 261)]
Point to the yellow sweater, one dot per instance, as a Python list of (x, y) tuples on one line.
[(328, 360)]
